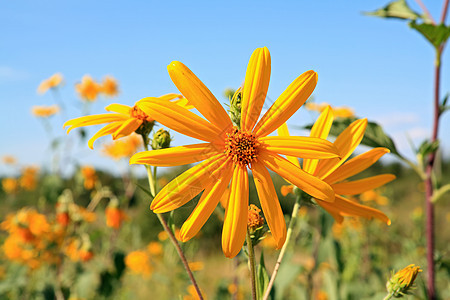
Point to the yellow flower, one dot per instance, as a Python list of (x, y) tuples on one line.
[(339, 112), (401, 282), (254, 219), (162, 236), (28, 180), (124, 148), (89, 176), (230, 150), (88, 89), (54, 81), (192, 294), (9, 160), (139, 262), (155, 248), (109, 86), (123, 120), (196, 266), (10, 185), (335, 172), (42, 111), (373, 195)]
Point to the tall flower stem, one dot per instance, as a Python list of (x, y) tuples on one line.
[(152, 183), (251, 261), (283, 250)]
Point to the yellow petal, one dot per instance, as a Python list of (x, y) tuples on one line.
[(236, 214), (320, 129), (269, 203), (306, 182), (180, 119), (127, 128), (284, 131), (188, 185), (170, 97), (176, 156), (119, 108), (198, 95), (351, 208), (108, 129), (93, 120), (300, 146), (356, 165), (360, 186), (206, 205), (346, 143), (254, 92), (287, 104)]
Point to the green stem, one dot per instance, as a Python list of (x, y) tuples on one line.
[(251, 261), (283, 250), (152, 184), (388, 296)]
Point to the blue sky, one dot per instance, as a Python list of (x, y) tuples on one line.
[(380, 68)]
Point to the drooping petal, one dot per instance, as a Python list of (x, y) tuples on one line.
[(170, 97), (199, 95), (287, 104), (176, 156), (345, 206), (346, 143), (269, 203), (306, 182), (256, 83), (93, 120), (236, 214), (188, 185), (356, 165), (180, 119), (206, 205), (300, 146), (108, 129), (127, 128), (320, 129), (284, 131), (119, 108), (360, 186)]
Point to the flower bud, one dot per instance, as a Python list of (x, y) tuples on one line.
[(161, 139), (402, 282)]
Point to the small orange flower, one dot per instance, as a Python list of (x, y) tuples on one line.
[(109, 86), (10, 185), (139, 263), (88, 89), (53, 82), (287, 189), (42, 111), (90, 177), (9, 160), (124, 148), (254, 219), (28, 180), (114, 217), (85, 255), (196, 266), (155, 248), (63, 218)]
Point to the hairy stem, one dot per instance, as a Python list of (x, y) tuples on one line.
[(283, 250), (251, 261)]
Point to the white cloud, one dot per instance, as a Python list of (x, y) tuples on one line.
[(397, 118)]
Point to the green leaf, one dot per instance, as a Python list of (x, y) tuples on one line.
[(427, 147), (435, 34), (144, 189), (443, 106), (397, 9), (262, 279)]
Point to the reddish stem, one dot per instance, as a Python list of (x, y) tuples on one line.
[(425, 10), (444, 12)]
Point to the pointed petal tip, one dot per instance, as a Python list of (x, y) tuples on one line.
[(174, 64)]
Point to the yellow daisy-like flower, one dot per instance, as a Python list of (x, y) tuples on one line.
[(124, 148), (50, 83), (109, 86), (88, 89), (123, 120), (401, 282), (230, 150), (335, 172), (42, 111), (339, 112)]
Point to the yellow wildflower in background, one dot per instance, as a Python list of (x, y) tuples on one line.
[(192, 294), (336, 172), (9, 160), (10, 185), (29, 177), (123, 120), (196, 266), (338, 112), (139, 263), (155, 248), (88, 89), (375, 196), (109, 86), (50, 83), (89, 176), (123, 148), (42, 111), (230, 150)]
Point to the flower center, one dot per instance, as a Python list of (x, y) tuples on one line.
[(241, 147), (137, 113)]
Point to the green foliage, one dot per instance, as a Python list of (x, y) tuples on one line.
[(262, 278), (427, 147), (443, 106), (435, 34), (396, 9)]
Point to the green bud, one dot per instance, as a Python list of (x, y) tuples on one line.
[(235, 108), (161, 139), (402, 282)]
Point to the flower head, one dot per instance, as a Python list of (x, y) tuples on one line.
[(339, 112), (401, 282), (50, 83), (124, 119), (123, 148), (44, 111), (9, 160), (336, 172), (139, 262), (114, 216), (10, 185), (88, 89), (28, 180), (230, 150), (109, 86), (89, 176)]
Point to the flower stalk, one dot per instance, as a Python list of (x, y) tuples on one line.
[(251, 262)]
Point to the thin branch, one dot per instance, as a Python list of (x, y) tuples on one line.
[(425, 11), (444, 11)]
